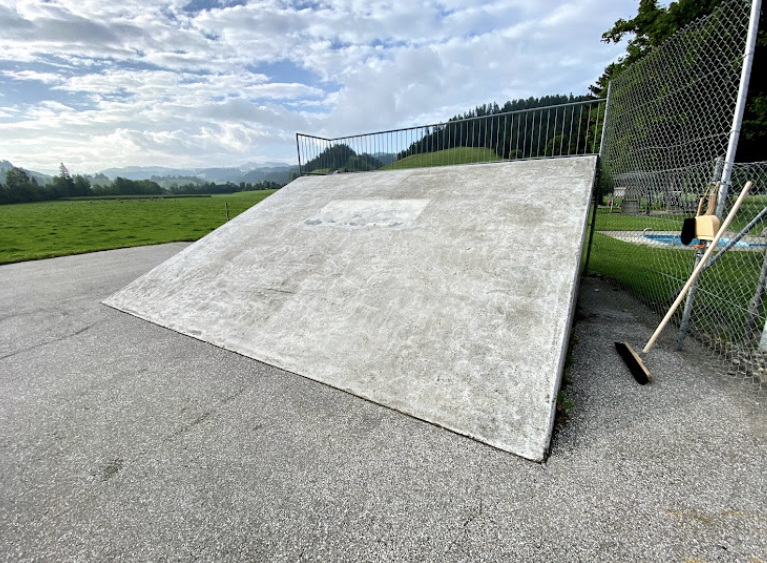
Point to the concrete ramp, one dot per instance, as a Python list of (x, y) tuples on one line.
[(444, 293)]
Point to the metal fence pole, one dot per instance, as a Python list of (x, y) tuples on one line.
[(729, 160), (298, 150), (598, 179), (597, 197), (604, 119), (740, 106), (688, 305)]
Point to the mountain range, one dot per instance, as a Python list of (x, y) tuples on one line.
[(251, 172)]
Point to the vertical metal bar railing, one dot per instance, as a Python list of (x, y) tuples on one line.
[(521, 134)]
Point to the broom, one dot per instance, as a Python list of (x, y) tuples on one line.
[(632, 360)]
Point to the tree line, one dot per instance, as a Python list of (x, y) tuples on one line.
[(226, 188), (493, 127), (20, 187)]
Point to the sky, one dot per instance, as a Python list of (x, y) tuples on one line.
[(206, 83)]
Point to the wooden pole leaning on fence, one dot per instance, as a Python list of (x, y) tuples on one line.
[(700, 267)]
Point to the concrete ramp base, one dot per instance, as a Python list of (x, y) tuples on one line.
[(444, 293)]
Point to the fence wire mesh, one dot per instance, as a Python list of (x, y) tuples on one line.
[(561, 130), (667, 132)]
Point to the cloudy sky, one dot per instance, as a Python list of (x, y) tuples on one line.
[(97, 83)]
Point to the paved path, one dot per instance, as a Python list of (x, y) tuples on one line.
[(123, 441)]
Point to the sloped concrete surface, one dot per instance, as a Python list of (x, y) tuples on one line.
[(122, 441), (444, 293)]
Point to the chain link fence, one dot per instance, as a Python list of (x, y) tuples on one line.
[(668, 129)]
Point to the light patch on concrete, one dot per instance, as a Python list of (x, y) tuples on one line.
[(363, 214), (450, 299)]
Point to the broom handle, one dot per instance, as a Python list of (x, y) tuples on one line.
[(703, 200), (711, 203), (698, 269)]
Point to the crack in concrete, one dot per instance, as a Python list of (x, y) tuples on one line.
[(204, 416), (473, 515), (52, 341)]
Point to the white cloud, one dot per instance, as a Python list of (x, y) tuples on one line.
[(98, 84), (45, 77)]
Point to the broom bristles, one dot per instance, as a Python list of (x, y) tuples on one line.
[(634, 363), (688, 231)]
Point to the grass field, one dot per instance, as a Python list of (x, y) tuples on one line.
[(458, 155), (45, 230), (31, 231)]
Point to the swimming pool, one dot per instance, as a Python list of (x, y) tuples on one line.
[(675, 240)]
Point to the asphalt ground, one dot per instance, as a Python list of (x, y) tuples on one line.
[(124, 441)]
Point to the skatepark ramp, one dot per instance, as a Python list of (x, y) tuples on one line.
[(444, 293)]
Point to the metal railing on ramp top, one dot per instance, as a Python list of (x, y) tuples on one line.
[(553, 131)]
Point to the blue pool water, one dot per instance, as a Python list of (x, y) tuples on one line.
[(675, 240)]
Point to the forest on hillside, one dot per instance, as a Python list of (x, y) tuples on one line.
[(561, 126), (20, 187)]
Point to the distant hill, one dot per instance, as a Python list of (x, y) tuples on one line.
[(456, 155), (41, 178), (281, 175), (143, 172), (250, 173), (384, 157), (219, 175)]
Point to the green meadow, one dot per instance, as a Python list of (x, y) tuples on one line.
[(31, 231), (457, 155), (44, 230)]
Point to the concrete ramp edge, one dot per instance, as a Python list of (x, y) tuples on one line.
[(444, 293)]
